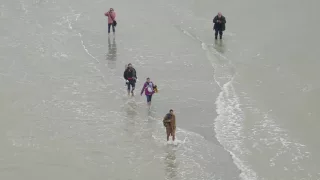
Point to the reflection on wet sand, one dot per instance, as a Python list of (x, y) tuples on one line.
[(152, 120), (219, 46), (130, 116), (171, 167), (112, 53), (131, 109)]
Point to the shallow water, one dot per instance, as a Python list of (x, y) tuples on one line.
[(246, 106), (66, 114), (266, 67)]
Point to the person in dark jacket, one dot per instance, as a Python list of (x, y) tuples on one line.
[(219, 25), (130, 75)]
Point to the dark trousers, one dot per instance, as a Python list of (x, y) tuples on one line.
[(216, 33), (109, 25), (131, 83), (149, 97)]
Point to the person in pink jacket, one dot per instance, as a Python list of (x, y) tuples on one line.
[(111, 19), (148, 89)]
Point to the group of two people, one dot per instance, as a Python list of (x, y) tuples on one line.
[(149, 88), (219, 23)]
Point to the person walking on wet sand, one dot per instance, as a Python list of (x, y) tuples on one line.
[(219, 25), (130, 75), (111, 20), (149, 89), (169, 121)]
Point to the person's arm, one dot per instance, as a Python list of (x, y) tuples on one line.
[(125, 75), (215, 19), (173, 122), (166, 120), (135, 73), (143, 88), (224, 20), (153, 91), (114, 15)]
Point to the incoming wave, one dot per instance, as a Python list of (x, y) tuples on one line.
[(229, 122)]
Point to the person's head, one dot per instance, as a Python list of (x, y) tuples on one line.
[(148, 80), (219, 14), (171, 111), (129, 65), (111, 9)]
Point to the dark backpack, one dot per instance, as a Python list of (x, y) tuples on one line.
[(165, 119)]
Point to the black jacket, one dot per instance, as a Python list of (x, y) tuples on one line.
[(128, 75), (219, 26)]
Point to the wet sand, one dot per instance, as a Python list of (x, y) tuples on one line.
[(65, 108)]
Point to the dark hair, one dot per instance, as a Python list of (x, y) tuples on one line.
[(171, 110)]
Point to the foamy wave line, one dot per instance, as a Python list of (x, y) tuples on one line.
[(228, 128), (229, 117)]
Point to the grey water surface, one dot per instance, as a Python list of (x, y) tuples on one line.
[(246, 105)]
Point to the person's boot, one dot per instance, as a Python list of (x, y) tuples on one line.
[(220, 36), (215, 37)]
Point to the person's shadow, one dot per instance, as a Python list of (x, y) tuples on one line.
[(112, 53)]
